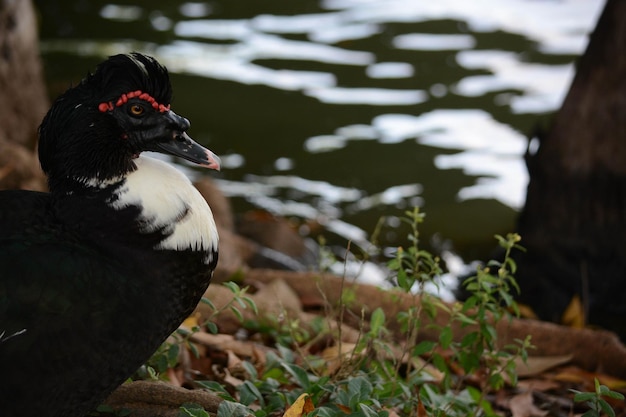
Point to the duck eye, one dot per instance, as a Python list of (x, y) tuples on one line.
[(136, 110)]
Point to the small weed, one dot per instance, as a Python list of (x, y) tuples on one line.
[(595, 401)]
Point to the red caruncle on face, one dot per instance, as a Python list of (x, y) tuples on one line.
[(108, 106)]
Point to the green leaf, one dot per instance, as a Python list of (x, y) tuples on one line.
[(584, 396), (194, 349), (469, 340), (506, 297), (496, 381), (602, 389), (403, 281), (152, 373), (232, 286), (192, 410), (208, 302), (510, 263), (300, 375), (424, 347), (440, 363), (608, 410), (377, 321), (368, 411), (359, 389), (445, 337), (248, 393), (615, 395), (250, 369), (325, 412), (172, 354), (465, 320), (477, 397), (237, 313), (217, 388), (501, 241), (232, 409), (211, 327), (250, 302), (105, 408), (469, 360), (286, 354), (393, 264)]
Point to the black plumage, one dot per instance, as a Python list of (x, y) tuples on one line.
[(97, 273)]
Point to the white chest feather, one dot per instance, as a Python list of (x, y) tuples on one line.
[(169, 200)]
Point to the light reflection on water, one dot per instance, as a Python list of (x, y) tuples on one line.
[(458, 89), (543, 86)]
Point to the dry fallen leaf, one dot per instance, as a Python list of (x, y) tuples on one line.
[(301, 406), (574, 314), (522, 405), (541, 385), (229, 379), (191, 321), (421, 411), (334, 358), (526, 311), (234, 362), (577, 375), (536, 365), (235, 366)]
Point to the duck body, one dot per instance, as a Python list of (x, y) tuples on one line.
[(96, 274)]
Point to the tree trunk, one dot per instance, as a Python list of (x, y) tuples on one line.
[(22, 96), (574, 222)]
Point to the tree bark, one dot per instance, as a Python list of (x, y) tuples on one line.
[(22, 94), (574, 222)]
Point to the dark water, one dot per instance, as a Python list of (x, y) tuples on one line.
[(338, 112)]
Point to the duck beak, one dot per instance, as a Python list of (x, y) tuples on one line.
[(183, 146), (174, 140)]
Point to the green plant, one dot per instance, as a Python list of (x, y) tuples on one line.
[(489, 302), (379, 374), (192, 410), (597, 405), (476, 354), (391, 365), (240, 301)]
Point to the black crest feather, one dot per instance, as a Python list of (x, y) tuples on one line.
[(75, 130), (124, 73)]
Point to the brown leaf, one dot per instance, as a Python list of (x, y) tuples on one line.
[(334, 357), (574, 314), (301, 406), (224, 342), (577, 375), (536, 365), (229, 379), (522, 405), (233, 360), (541, 385), (421, 411), (235, 366)]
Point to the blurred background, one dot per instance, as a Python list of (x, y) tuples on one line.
[(337, 113)]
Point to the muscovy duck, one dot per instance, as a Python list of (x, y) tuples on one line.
[(97, 273)]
